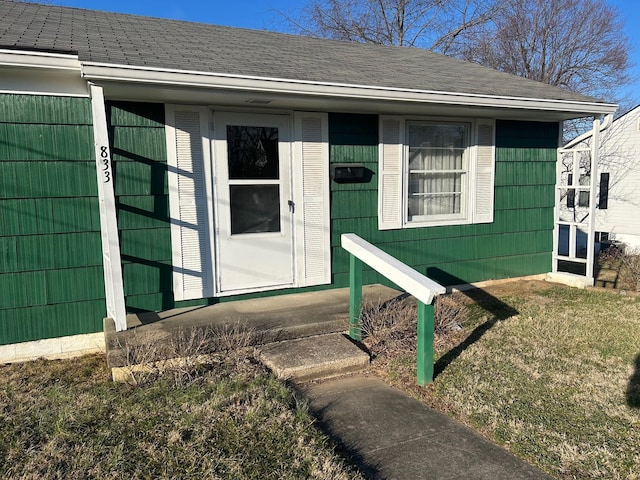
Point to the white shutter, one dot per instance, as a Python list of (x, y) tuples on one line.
[(390, 199), (311, 169), (188, 157), (484, 172)]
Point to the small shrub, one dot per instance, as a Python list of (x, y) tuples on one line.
[(631, 266), (184, 355), (390, 328), (450, 310), (233, 337)]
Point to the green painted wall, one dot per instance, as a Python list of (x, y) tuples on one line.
[(137, 134), (51, 281), (519, 242)]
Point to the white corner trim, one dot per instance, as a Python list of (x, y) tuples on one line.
[(52, 348), (161, 76), (56, 61), (111, 259)]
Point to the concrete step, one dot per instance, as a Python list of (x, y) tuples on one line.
[(312, 358), (265, 320)]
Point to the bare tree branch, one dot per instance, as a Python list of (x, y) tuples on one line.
[(572, 44), (431, 24)]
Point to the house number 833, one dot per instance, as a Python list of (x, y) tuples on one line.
[(106, 164)]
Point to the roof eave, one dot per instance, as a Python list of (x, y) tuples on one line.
[(37, 59), (95, 71)]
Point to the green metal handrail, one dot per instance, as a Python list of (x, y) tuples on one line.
[(422, 288)]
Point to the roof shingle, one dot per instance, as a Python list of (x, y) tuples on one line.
[(120, 39)]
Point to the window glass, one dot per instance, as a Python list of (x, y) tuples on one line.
[(437, 170), (252, 152), (255, 208), (583, 198)]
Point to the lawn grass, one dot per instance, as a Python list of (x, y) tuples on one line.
[(66, 419), (549, 372)]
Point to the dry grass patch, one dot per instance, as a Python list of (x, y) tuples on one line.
[(557, 381), (232, 419), (180, 355)]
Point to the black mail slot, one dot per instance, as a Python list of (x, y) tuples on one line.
[(348, 172)]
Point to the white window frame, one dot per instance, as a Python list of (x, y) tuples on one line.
[(393, 174), (465, 196)]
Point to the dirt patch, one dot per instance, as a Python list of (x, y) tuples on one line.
[(618, 269), (520, 287)]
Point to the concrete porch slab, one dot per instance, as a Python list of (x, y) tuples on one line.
[(269, 319)]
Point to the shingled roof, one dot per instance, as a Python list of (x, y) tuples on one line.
[(119, 39)]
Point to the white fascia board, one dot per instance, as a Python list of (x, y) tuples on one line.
[(127, 73), (56, 61)]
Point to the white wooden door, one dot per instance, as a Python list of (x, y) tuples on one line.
[(254, 205)]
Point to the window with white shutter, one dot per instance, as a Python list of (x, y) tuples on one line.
[(390, 192), (435, 172)]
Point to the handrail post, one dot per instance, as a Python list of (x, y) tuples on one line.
[(425, 343), (355, 297), (413, 282)]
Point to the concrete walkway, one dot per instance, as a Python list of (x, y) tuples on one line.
[(392, 436)]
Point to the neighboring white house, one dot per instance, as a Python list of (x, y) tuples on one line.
[(618, 208), (617, 186)]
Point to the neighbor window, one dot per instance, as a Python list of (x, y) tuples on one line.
[(437, 171)]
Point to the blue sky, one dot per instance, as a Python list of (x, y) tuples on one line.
[(264, 14)]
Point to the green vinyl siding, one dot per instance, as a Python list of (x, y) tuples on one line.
[(142, 212), (33, 216), (147, 278), (51, 281), (45, 110), (46, 179), (52, 320), (137, 134), (518, 242), (36, 252), (45, 142)]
